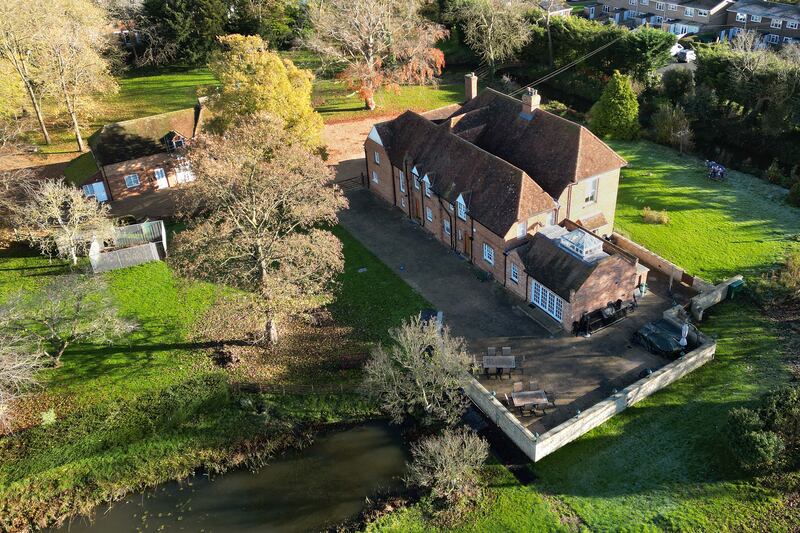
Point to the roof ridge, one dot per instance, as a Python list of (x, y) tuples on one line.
[(182, 110)]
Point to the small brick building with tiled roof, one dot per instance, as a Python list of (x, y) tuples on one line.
[(484, 177)]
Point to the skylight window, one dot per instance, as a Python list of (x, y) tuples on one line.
[(582, 244)]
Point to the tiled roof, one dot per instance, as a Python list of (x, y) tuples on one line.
[(496, 192), (131, 139), (554, 151)]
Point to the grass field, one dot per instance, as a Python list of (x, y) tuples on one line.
[(153, 406), (662, 465)]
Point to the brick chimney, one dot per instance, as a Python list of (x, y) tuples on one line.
[(470, 86), (530, 101)]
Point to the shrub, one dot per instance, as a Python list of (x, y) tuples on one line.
[(774, 173), (616, 114), (794, 194), (767, 439), (448, 465), (678, 84), (651, 216), (789, 278), (672, 127)]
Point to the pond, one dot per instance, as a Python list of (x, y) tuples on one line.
[(304, 490)]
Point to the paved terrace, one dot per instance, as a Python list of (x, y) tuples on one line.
[(580, 371)]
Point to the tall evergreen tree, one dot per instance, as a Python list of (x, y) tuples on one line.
[(616, 114), (191, 25)]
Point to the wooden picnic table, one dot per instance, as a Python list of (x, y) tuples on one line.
[(529, 397), (499, 361)]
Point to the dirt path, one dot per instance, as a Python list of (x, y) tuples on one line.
[(345, 142)]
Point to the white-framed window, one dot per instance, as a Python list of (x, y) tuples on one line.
[(88, 190), (606, 9), (461, 209), (631, 2), (429, 214), (402, 181), (522, 229), (447, 226), (776, 23), (514, 273), (660, 6), (488, 254), (672, 7), (177, 143), (591, 191), (377, 158), (375, 177), (427, 188), (792, 24), (702, 13), (787, 40), (741, 17), (159, 173), (644, 2), (688, 11), (545, 299), (755, 18), (132, 180), (773, 38)]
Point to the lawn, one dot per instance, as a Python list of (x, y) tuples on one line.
[(153, 406), (716, 229), (662, 465)]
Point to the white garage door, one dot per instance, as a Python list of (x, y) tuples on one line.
[(546, 300)]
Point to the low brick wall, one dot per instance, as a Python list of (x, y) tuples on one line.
[(538, 447), (711, 297)]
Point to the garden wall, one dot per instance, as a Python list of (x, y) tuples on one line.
[(537, 447)]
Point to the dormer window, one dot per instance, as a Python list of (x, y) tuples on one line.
[(461, 208), (176, 143), (427, 183), (415, 173)]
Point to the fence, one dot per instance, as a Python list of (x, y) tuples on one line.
[(537, 447), (124, 257), (151, 231)]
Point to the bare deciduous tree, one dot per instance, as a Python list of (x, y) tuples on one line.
[(256, 212), (419, 374), (20, 358), (59, 220), (153, 47), (21, 41), (75, 59), (448, 465), (73, 308), (494, 29), (378, 41)]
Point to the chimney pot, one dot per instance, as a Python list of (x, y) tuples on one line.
[(470, 86)]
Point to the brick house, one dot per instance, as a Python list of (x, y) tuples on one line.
[(487, 176), (142, 155), (777, 23), (677, 17)]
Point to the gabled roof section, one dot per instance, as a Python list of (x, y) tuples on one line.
[(496, 192), (554, 151), (131, 139)]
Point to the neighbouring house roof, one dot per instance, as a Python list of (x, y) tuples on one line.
[(708, 5), (132, 139), (767, 9), (496, 192), (554, 151), (592, 222), (561, 271), (554, 5)]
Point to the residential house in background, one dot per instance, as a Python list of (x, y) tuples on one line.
[(679, 18), (556, 8), (777, 23), (487, 177), (143, 155)]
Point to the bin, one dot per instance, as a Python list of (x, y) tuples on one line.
[(735, 288)]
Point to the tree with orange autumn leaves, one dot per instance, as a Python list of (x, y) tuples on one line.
[(379, 42)]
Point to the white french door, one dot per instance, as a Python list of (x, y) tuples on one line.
[(547, 301)]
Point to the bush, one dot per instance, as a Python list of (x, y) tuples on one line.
[(789, 277), (616, 114), (766, 440), (671, 127), (774, 173), (651, 216), (678, 85), (794, 194), (447, 465)]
